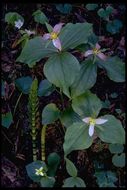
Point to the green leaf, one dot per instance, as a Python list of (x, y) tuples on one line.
[(47, 181), (76, 138), (114, 95), (91, 6), (45, 88), (7, 119), (61, 70), (86, 78), (87, 105), (64, 8), (106, 104), (37, 52), (53, 162), (115, 68), (68, 117), (31, 170), (106, 179), (50, 114), (114, 26), (73, 35), (116, 148), (119, 160), (113, 131), (40, 17), (70, 167), (23, 84), (11, 17), (105, 13), (49, 27), (74, 182)]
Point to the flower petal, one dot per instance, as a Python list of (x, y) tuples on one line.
[(57, 43), (91, 130), (57, 27), (86, 119), (18, 24), (102, 56), (101, 121), (98, 46), (87, 53), (46, 36)]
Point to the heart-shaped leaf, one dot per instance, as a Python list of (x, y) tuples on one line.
[(76, 138), (85, 79), (45, 88), (24, 84), (61, 70), (113, 132), (116, 148), (50, 114), (115, 68), (40, 17), (64, 8), (31, 170), (47, 181), (53, 162), (37, 52), (7, 119), (74, 182), (119, 160), (87, 105)]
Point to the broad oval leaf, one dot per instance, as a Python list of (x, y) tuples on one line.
[(87, 105), (113, 131), (53, 162), (30, 168), (61, 70), (45, 88), (116, 148), (40, 17), (119, 160), (50, 114), (70, 167), (47, 181), (115, 68), (34, 50), (7, 119), (73, 35), (91, 6), (76, 138), (74, 182), (24, 84), (85, 79)]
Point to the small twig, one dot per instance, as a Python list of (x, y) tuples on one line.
[(17, 103), (7, 138)]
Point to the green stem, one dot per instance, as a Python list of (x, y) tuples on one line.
[(17, 103), (94, 59), (43, 135)]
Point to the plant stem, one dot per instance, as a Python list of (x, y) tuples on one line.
[(43, 135), (17, 103)]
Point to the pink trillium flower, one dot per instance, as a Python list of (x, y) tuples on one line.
[(96, 51), (54, 36), (92, 122)]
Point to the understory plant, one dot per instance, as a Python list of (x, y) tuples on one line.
[(82, 119)]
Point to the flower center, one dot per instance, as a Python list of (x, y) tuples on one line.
[(39, 171), (54, 35), (96, 51), (92, 121)]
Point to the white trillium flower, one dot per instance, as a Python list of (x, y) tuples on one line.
[(96, 51), (92, 122), (54, 36), (18, 24), (39, 171), (29, 32)]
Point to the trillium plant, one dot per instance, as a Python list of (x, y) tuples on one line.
[(81, 119)]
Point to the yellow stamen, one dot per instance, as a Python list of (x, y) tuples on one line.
[(92, 121), (54, 35), (96, 51)]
